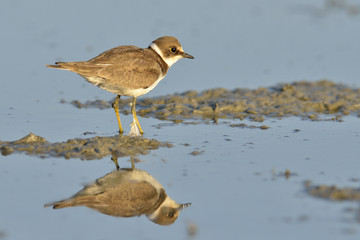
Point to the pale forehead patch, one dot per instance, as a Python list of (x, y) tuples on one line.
[(170, 60)]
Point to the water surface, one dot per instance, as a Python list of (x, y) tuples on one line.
[(235, 177)]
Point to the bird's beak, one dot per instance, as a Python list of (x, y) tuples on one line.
[(182, 206), (186, 55)]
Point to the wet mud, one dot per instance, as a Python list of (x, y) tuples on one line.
[(86, 149), (332, 192), (309, 100)]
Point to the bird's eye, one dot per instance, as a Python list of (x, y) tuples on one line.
[(173, 50), (171, 214)]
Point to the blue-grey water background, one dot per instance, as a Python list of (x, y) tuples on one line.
[(235, 185)]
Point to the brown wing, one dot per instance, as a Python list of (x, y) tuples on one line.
[(112, 54), (133, 200), (125, 66), (126, 200)]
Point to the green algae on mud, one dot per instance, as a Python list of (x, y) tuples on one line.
[(304, 99), (86, 149), (332, 192)]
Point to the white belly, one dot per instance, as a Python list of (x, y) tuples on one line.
[(101, 83), (140, 91)]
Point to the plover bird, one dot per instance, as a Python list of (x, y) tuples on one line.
[(129, 70), (126, 192)]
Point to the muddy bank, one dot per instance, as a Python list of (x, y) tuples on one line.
[(86, 149), (308, 100), (332, 192)]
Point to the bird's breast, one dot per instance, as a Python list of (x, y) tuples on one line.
[(141, 91)]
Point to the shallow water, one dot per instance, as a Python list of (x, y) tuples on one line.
[(236, 185), (242, 182)]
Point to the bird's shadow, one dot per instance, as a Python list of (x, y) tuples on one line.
[(126, 192)]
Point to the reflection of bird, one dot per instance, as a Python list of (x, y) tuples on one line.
[(126, 193), (129, 70)]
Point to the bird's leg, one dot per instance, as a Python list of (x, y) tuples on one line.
[(132, 159), (133, 111), (114, 158), (115, 105)]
